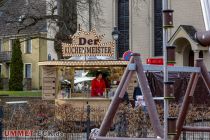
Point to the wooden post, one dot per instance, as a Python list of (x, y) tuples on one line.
[(151, 107), (204, 72), (185, 106), (120, 93), (130, 74), (196, 129), (107, 121)]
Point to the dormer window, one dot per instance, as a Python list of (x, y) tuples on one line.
[(20, 18)]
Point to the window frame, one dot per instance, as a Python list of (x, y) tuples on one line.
[(10, 43), (1, 45), (25, 70), (0, 70), (26, 46), (157, 30), (123, 42)]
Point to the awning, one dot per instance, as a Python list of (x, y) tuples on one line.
[(88, 63)]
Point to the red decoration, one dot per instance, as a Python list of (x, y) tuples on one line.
[(156, 61)]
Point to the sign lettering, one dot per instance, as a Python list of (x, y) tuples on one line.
[(88, 44)]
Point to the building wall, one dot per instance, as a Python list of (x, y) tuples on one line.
[(187, 12), (140, 30), (39, 53), (5, 72), (43, 54), (32, 59)]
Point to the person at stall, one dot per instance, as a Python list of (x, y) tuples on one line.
[(98, 85), (105, 78), (137, 92)]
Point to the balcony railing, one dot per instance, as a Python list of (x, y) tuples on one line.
[(5, 56)]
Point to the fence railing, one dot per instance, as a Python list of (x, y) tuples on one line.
[(77, 122), (197, 135)]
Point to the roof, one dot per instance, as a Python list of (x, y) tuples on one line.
[(90, 63), (11, 12), (190, 30)]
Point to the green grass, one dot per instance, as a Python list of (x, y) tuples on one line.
[(22, 93)]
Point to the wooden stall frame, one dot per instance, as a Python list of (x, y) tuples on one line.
[(142, 80)]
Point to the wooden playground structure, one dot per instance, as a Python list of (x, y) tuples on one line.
[(135, 66)]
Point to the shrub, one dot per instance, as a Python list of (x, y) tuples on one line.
[(16, 68)]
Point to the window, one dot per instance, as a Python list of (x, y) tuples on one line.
[(200, 54), (9, 71), (123, 26), (1, 45), (28, 46), (0, 71), (11, 44), (158, 30), (28, 71)]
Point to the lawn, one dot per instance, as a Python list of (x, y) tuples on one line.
[(22, 93)]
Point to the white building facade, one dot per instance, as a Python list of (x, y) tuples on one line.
[(140, 26)]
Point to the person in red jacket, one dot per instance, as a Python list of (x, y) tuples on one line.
[(98, 85)]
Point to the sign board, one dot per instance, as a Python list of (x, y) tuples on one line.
[(127, 55), (49, 83), (88, 44)]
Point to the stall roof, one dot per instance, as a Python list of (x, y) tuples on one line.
[(89, 63), (90, 58)]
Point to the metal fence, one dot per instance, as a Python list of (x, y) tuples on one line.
[(71, 136), (197, 135), (76, 123)]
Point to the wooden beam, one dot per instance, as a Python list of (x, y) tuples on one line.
[(108, 118), (185, 105), (196, 129), (204, 72), (151, 107), (130, 74)]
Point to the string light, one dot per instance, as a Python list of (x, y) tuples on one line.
[(82, 33), (88, 63)]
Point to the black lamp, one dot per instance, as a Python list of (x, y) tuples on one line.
[(115, 35)]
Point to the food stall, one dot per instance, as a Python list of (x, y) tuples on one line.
[(59, 77), (69, 80)]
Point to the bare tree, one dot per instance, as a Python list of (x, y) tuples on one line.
[(35, 16)]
